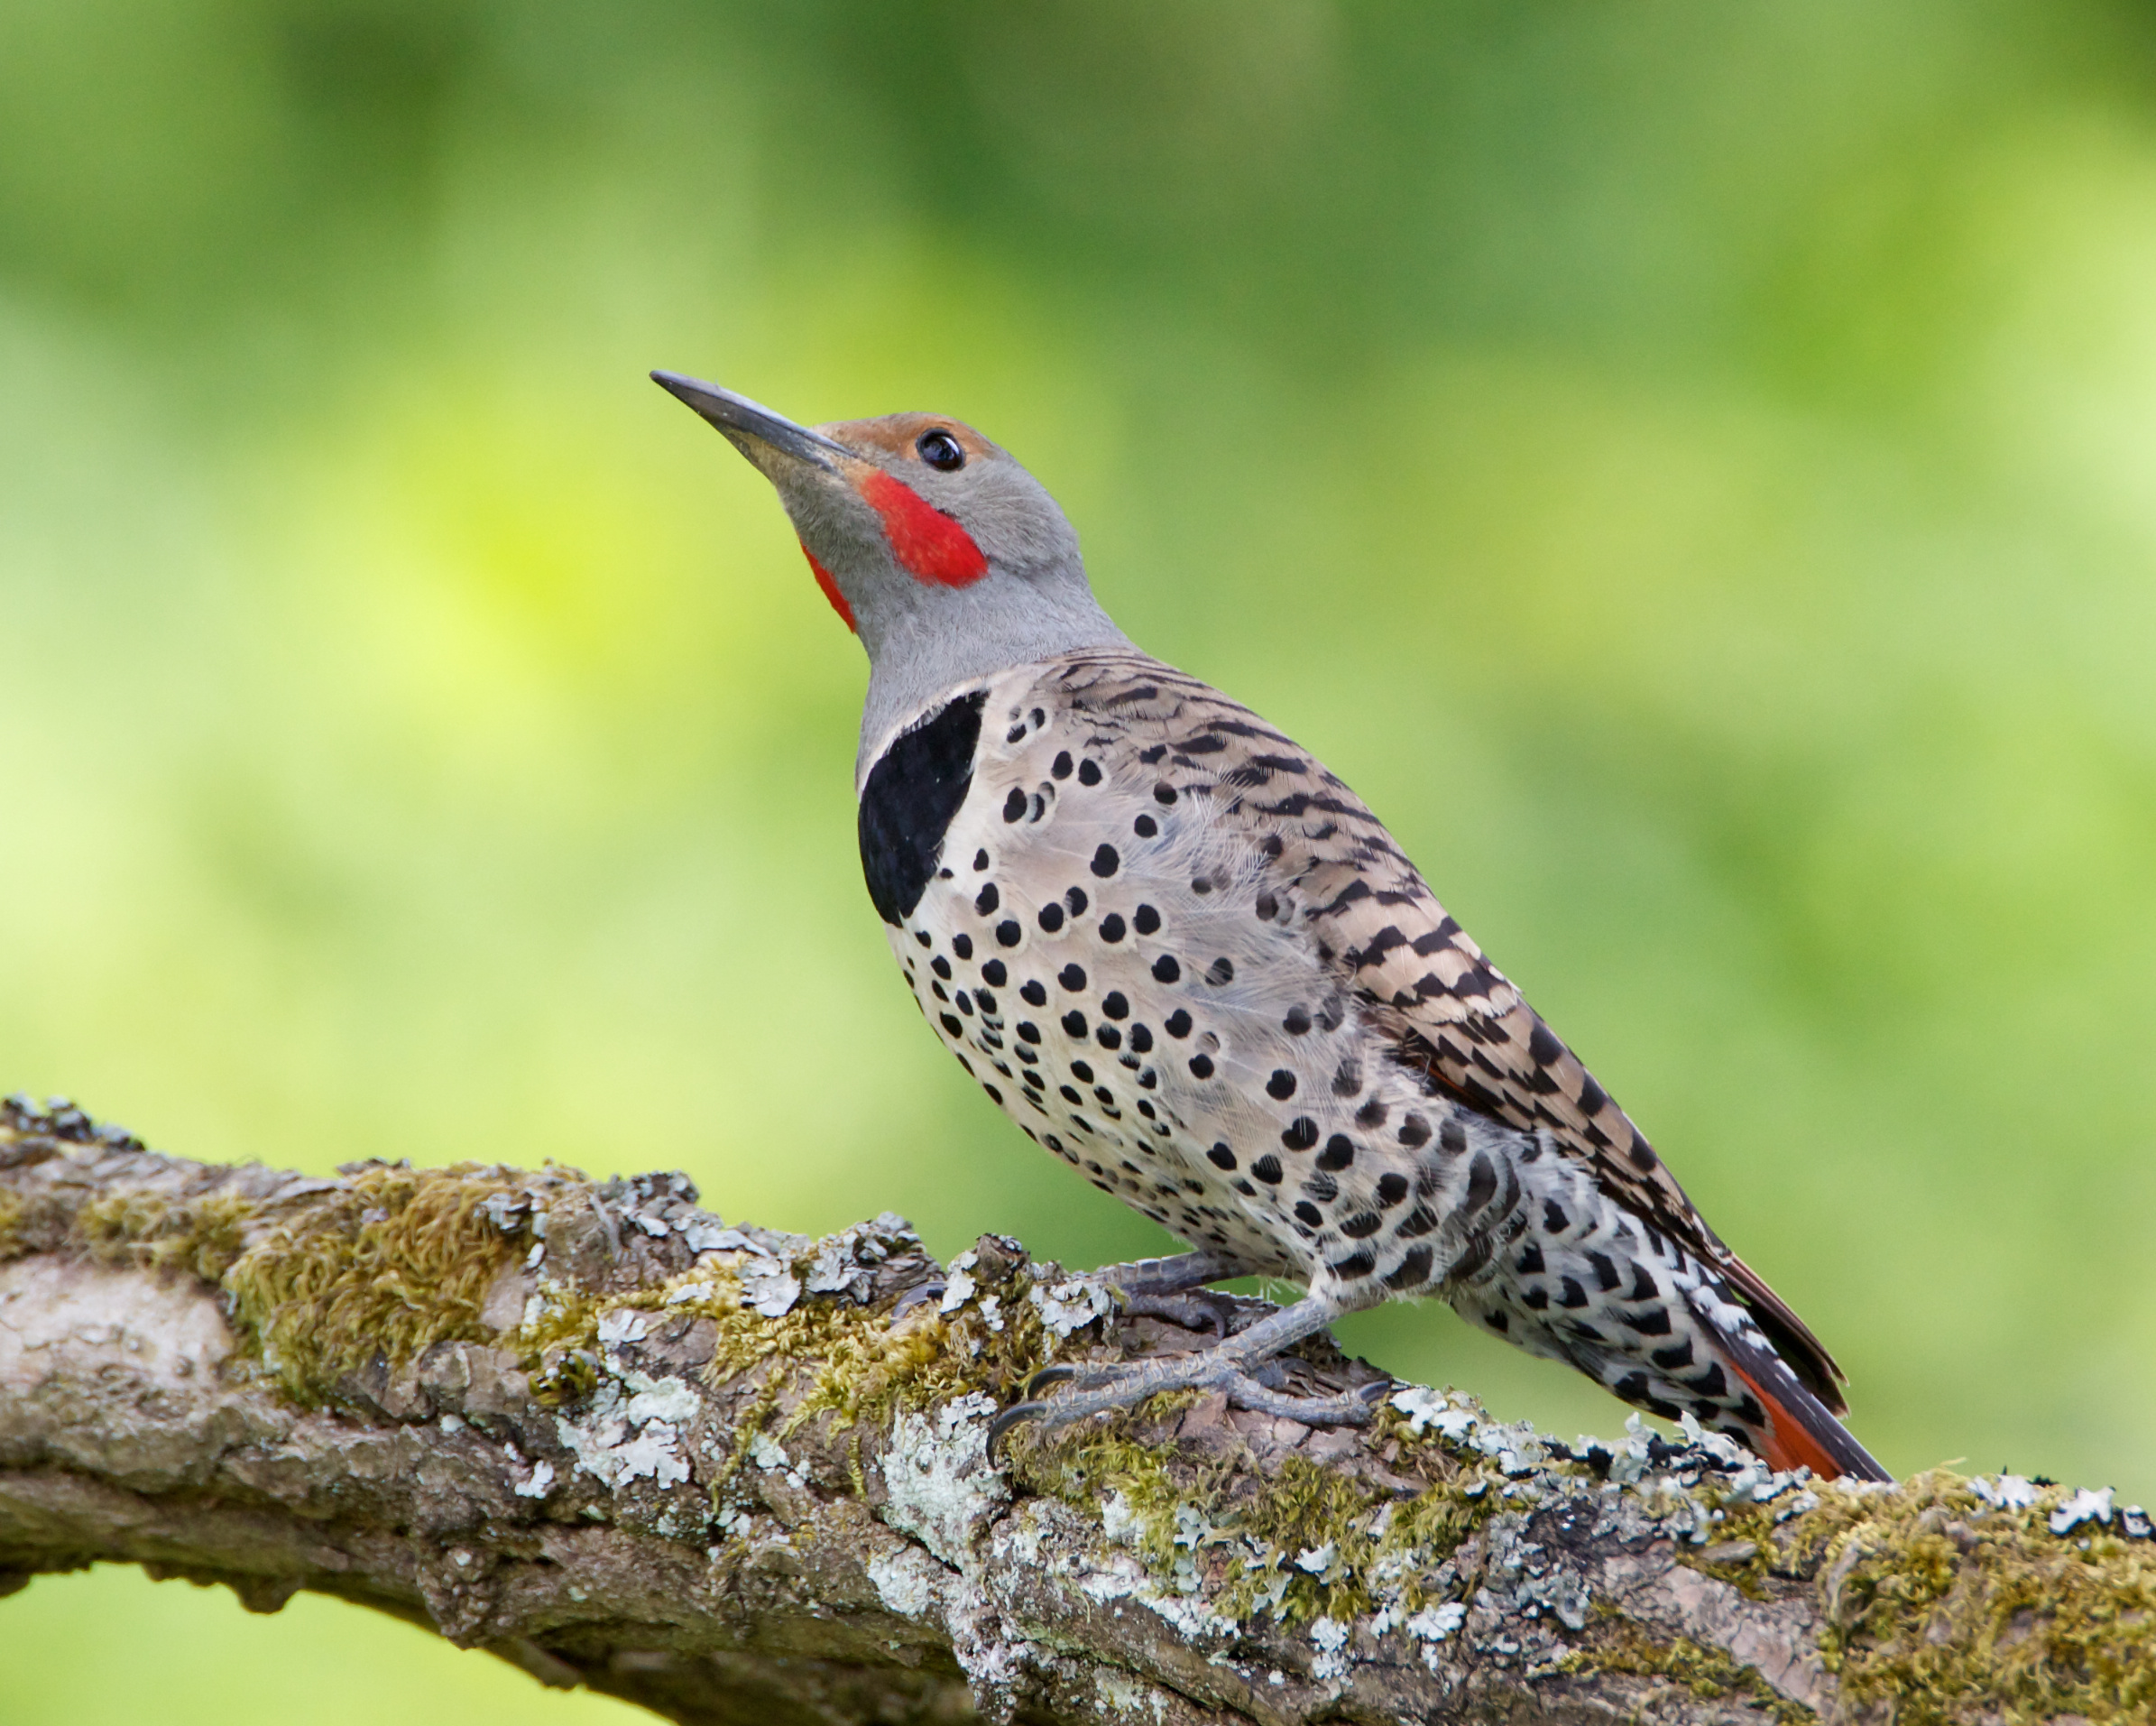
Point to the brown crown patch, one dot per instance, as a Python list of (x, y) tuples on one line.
[(893, 434)]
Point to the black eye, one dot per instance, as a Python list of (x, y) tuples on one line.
[(940, 450)]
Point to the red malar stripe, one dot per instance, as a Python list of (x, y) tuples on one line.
[(930, 545), (831, 592)]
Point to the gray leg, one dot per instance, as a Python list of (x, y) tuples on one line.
[(1226, 1365)]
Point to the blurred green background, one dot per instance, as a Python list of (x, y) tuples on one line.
[(1692, 466)]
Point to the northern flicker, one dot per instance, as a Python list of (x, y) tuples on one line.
[(1188, 961)]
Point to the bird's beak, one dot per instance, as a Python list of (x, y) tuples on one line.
[(741, 418)]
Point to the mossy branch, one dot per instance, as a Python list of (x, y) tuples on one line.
[(733, 1474)]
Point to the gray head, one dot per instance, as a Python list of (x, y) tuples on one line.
[(945, 557)]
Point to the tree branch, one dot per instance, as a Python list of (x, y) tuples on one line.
[(732, 1474)]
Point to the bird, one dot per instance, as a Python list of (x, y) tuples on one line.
[(1188, 961)]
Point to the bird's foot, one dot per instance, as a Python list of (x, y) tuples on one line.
[(1197, 1309), (1108, 1388)]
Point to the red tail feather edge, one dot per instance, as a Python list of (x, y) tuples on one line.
[(1799, 1432)]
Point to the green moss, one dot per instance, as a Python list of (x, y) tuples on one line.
[(203, 1236), (1945, 1608), (394, 1260), (12, 1243), (1622, 1645)]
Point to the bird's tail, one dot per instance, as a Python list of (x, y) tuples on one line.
[(1798, 1430)]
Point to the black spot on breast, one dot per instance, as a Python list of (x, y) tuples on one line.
[(1266, 1168), (1222, 1157), (1111, 928), (1413, 1271), (1482, 1183), (1391, 1189), (1051, 917), (913, 790), (1301, 1134), (1309, 1213), (1061, 767), (992, 971), (1145, 919), (1339, 1153)]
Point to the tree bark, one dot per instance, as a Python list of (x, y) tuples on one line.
[(737, 1475)]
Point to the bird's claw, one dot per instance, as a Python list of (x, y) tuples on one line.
[(1061, 1373), (918, 1294), (1016, 1415)]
